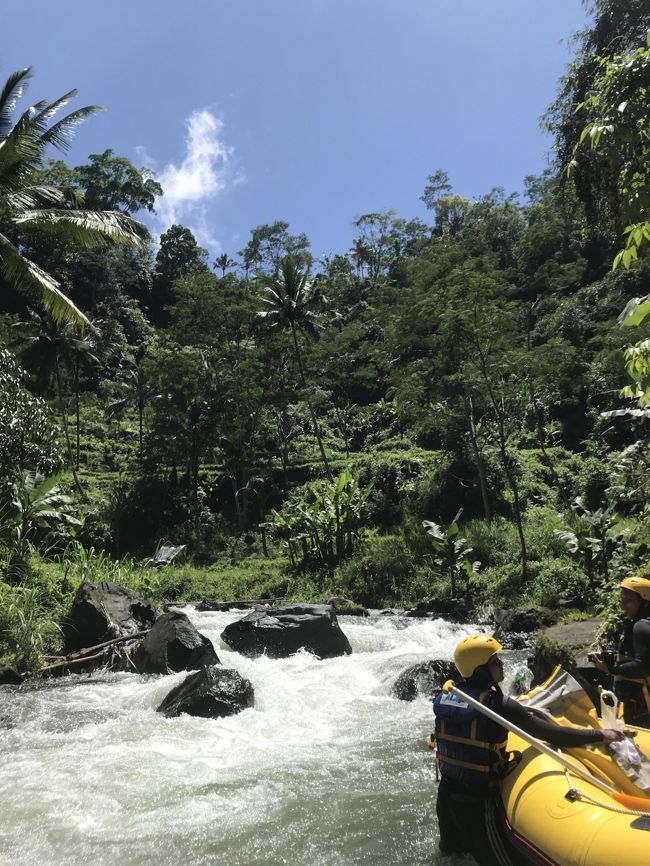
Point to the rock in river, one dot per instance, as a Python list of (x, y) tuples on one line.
[(174, 644), (283, 631), (211, 692), (423, 679), (102, 611)]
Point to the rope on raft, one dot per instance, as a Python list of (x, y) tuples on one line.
[(577, 794)]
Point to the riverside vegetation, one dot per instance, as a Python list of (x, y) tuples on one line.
[(451, 408)]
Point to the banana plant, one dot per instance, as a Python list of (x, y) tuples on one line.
[(326, 525), (451, 552), (593, 540), (31, 510)]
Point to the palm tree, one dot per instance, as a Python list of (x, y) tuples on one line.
[(223, 262), (26, 204), (49, 351), (134, 389), (291, 300)]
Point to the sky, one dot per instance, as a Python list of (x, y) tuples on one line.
[(309, 111)]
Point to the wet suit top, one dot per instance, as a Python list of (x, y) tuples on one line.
[(530, 722), (635, 645)]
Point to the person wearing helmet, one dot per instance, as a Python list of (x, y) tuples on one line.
[(472, 756), (632, 668)]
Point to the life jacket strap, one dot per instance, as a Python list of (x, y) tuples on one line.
[(471, 741), (479, 768)]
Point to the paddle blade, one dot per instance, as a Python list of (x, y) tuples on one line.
[(635, 804)]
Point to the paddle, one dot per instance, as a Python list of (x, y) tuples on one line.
[(636, 804)]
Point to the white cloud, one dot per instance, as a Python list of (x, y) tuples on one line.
[(205, 171)]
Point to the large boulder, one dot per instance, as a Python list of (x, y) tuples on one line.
[(523, 619), (174, 644), (102, 611), (283, 631), (424, 679), (211, 692), (568, 645)]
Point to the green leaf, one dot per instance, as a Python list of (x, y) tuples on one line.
[(635, 312)]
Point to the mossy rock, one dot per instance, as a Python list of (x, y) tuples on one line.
[(567, 644), (346, 607)]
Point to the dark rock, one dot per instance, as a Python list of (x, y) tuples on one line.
[(211, 693), (523, 619), (223, 606), (516, 640), (173, 644), (346, 607), (283, 631), (453, 610), (420, 611), (102, 611), (423, 679), (10, 677)]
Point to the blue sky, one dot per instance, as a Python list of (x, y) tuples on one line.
[(311, 111)]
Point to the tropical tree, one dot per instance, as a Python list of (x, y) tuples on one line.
[(52, 350), (292, 300), (223, 262), (26, 205), (28, 437), (132, 388)]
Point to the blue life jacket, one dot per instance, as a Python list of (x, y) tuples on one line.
[(471, 749)]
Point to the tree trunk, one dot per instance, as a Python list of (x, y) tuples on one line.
[(76, 401), (478, 459), (66, 430), (317, 433)]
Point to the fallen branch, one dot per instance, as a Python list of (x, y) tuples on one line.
[(221, 606), (83, 654)]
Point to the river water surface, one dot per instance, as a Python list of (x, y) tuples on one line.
[(328, 769)]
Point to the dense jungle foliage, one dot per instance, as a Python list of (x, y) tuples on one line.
[(450, 408)]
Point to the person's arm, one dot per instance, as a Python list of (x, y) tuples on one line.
[(516, 713), (639, 666)]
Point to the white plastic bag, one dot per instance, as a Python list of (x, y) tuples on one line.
[(624, 752)]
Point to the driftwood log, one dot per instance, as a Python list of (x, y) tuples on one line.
[(90, 653)]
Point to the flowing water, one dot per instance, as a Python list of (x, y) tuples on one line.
[(328, 769)]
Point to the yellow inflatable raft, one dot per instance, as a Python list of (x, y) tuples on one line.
[(555, 817)]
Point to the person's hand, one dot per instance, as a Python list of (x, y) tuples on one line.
[(597, 662), (611, 736)]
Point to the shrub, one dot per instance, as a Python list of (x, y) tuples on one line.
[(28, 628), (379, 572)]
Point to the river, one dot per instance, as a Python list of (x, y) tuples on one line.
[(328, 769)]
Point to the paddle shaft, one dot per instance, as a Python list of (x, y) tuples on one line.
[(533, 741)]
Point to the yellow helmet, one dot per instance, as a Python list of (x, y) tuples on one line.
[(638, 584), (474, 651)]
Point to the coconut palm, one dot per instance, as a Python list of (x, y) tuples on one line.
[(50, 349), (223, 262), (291, 302), (45, 209)]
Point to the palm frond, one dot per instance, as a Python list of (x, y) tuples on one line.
[(32, 197), (87, 228), (13, 90), (29, 279), (60, 134), (48, 112)]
